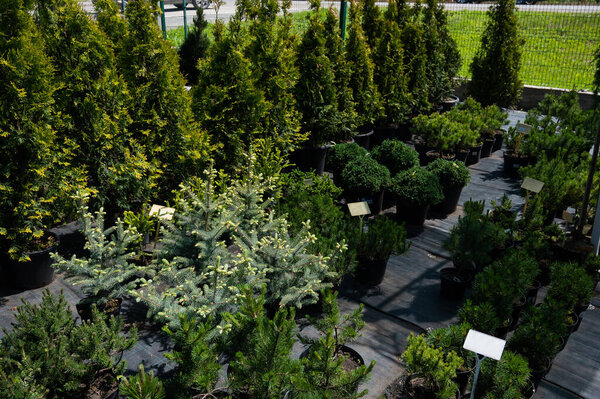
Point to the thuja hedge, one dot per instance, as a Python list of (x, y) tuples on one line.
[(100, 105)]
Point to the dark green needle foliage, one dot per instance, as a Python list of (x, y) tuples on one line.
[(364, 92), (323, 365), (227, 102), (372, 20), (415, 63), (263, 366), (194, 48), (61, 356), (497, 63), (396, 156), (196, 359), (26, 136), (142, 386)]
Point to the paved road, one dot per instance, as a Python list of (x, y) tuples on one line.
[(174, 16)]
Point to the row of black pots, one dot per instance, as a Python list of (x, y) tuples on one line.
[(34, 273)]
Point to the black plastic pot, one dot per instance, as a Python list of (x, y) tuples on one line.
[(513, 162), (310, 158), (450, 203), (449, 103), (84, 309), (422, 150), (538, 374), (529, 391), (412, 215), (364, 139), (34, 273), (518, 306), (432, 155), (502, 331), (572, 327), (383, 133), (462, 379), (473, 156), (499, 137), (486, 148), (461, 155), (404, 133), (370, 271), (452, 284)]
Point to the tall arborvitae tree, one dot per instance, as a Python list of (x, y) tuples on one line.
[(160, 109), (415, 62), (334, 48), (194, 48), (227, 102), (443, 59), (364, 91), (390, 77), (111, 22), (92, 100), (372, 20), (496, 65), (315, 90), (398, 11), (271, 53), (26, 136)]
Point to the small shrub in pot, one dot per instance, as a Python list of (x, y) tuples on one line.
[(340, 155), (383, 236), (364, 176), (436, 368), (506, 378), (570, 285), (417, 186), (453, 176), (396, 156), (480, 316)]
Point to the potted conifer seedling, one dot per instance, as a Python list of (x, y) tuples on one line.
[(415, 191), (453, 176), (383, 236), (365, 178), (340, 155)]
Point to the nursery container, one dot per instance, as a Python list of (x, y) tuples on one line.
[(34, 273), (364, 139), (310, 158), (473, 156)]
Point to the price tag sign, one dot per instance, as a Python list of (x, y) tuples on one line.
[(162, 212), (523, 128), (484, 344), (568, 216), (359, 208), (529, 184)]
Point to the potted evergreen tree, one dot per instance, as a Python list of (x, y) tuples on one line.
[(392, 83), (364, 92), (496, 65), (340, 155), (194, 47), (453, 176), (316, 95), (364, 177), (415, 190), (396, 156), (383, 236), (431, 370)]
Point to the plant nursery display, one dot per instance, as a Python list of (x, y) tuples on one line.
[(453, 176), (415, 190)]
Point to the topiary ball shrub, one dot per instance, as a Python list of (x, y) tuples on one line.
[(396, 156), (451, 174), (340, 155), (416, 187), (364, 175)]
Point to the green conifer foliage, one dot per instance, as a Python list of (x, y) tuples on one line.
[(63, 357), (496, 65), (415, 63), (364, 91), (227, 102), (271, 53), (111, 22), (443, 58), (196, 359), (372, 20), (160, 108), (390, 77), (323, 366), (194, 48), (398, 12), (92, 99), (105, 273), (263, 366), (315, 91), (26, 136), (334, 49)]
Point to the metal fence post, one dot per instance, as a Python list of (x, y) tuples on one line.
[(122, 6), (162, 19), (343, 12), (185, 27)]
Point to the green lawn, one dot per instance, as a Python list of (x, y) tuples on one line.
[(559, 47)]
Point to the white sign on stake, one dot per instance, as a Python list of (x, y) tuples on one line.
[(529, 184), (523, 128), (359, 208), (162, 212), (485, 345)]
